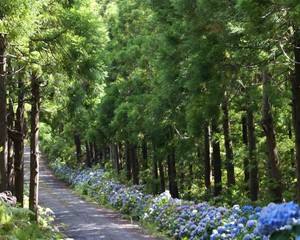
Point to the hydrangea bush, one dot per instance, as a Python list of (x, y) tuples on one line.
[(185, 219)]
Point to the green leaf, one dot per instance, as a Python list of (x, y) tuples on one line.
[(281, 235)]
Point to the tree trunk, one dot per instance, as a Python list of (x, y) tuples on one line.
[(296, 107), (115, 157), (253, 165), (96, 152), (128, 163), (173, 187), (292, 151), (216, 159), (121, 156), (245, 141), (77, 142), (207, 167), (135, 164), (88, 154), (180, 176), (275, 186), (161, 175), (34, 146), (145, 154), (107, 153), (19, 145), (10, 158), (3, 117), (228, 144), (102, 157), (92, 152), (190, 180), (155, 187)]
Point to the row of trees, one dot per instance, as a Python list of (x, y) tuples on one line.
[(198, 95), (42, 44)]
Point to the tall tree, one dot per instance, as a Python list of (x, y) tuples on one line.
[(19, 143), (207, 162), (155, 181), (161, 174), (245, 142), (173, 187), (10, 160), (296, 105), (253, 165), (228, 143), (77, 142), (135, 164), (216, 158), (3, 114), (272, 152), (34, 145)]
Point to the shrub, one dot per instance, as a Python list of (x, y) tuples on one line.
[(186, 219)]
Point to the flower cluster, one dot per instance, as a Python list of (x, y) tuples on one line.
[(184, 219), (95, 183), (276, 217)]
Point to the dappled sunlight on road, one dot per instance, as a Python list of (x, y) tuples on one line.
[(79, 219)]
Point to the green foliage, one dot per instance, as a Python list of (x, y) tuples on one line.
[(15, 224), (290, 234), (158, 71)]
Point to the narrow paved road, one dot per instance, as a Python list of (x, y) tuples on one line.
[(79, 219)]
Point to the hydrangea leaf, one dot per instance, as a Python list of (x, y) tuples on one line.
[(281, 235)]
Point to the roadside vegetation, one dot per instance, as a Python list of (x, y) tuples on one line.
[(196, 101), (181, 219), (17, 223)]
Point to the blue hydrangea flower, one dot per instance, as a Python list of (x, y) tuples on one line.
[(184, 219), (275, 216)]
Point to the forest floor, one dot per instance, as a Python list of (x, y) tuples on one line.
[(79, 219)]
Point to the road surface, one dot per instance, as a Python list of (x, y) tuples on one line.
[(79, 219)]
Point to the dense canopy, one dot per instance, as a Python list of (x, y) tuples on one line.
[(195, 96)]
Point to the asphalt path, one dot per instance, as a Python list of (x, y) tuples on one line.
[(79, 219)]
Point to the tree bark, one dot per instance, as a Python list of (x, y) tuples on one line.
[(145, 154), (34, 146), (155, 187), (19, 145), (10, 158), (92, 152), (121, 156), (180, 176), (77, 142), (135, 164), (128, 163), (3, 115), (88, 154), (115, 157), (296, 107), (173, 187), (190, 181), (107, 153), (228, 144), (96, 151), (292, 151), (102, 157), (216, 159), (253, 165), (207, 167), (245, 141), (275, 186), (161, 175)]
